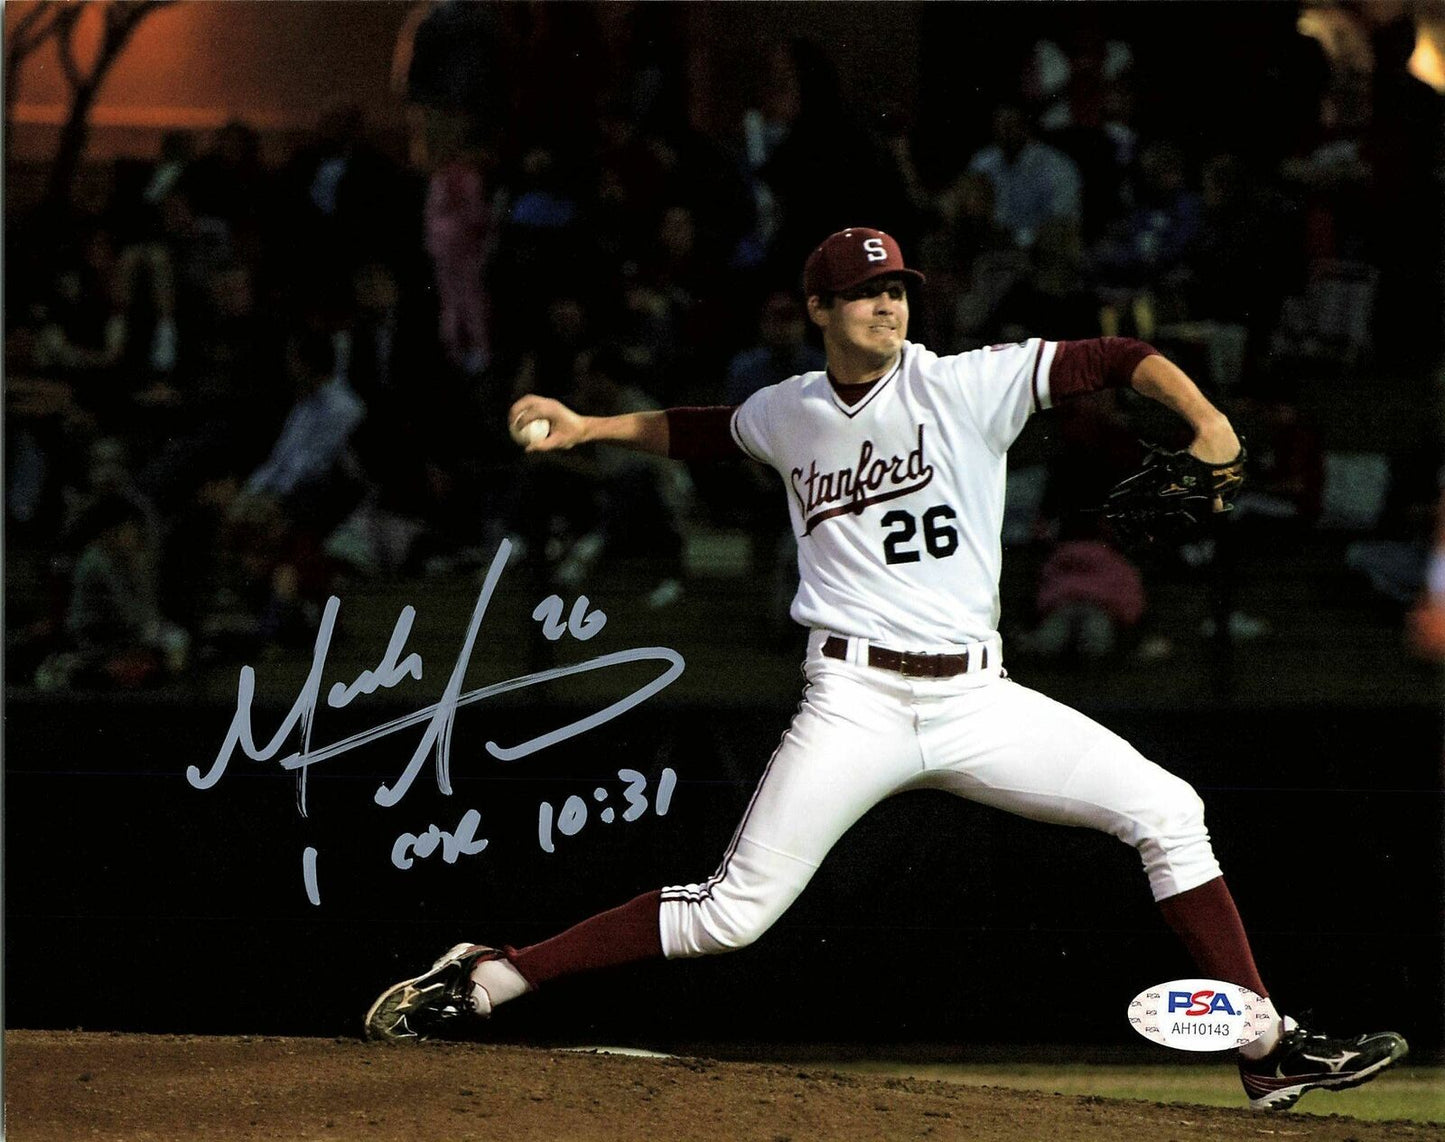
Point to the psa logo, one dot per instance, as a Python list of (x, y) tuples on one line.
[(1199, 1015), (1198, 1003)]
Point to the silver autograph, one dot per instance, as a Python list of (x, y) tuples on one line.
[(438, 717)]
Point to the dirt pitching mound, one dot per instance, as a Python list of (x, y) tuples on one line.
[(87, 1085)]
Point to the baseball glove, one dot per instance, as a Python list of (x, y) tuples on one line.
[(1171, 497)]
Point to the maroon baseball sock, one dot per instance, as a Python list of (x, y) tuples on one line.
[(1206, 920), (622, 936)]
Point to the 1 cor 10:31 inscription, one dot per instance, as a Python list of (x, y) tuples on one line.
[(573, 817)]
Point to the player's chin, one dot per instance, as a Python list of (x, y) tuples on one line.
[(885, 349)]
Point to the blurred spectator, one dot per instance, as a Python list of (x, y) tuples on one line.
[(1053, 299), (76, 319), (107, 476), (1033, 182), (607, 501), (826, 170), (107, 324), (253, 553), (458, 237), (1095, 445), (113, 622), (896, 135), (309, 471), (675, 261), (1089, 595), (146, 302), (457, 240), (764, 127), (1148, 246), (538, 234), (627, 188), (676, 325), (428, 440), (1071, 88), (692, 172), (1085, 101), (373, 355), (231, 335), (548, 365), (1286, 458), (969, 213), (193, 556), (181, 261), (47, 437), (228, 187), (226, 401), (1237, 268), (1397, 555), (102, 476), (452, 58), (266, 577), (649, 332), (971, 264), (1403, 149), (178, 151), (780, 351), (742, 494), (1228, 294), (1330, 176), (344, 203)]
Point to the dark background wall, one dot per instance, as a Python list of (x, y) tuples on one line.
[(135, 901)]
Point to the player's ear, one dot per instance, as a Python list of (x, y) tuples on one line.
[(819, 310)]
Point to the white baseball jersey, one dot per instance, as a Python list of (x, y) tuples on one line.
[(897, 502)]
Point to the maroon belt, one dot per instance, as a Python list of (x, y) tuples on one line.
[(902, 662)]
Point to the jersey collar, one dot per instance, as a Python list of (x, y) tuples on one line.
[(852, 410)]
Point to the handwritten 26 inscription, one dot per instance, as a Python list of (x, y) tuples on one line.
[(438, 719)]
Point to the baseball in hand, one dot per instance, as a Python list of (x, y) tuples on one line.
[(531, 432)]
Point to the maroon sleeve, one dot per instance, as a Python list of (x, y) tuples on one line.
[(1100, 363), (702, 433)]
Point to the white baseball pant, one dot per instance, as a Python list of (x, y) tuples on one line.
[(863, 734)]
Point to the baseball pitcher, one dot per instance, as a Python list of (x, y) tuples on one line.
[(892, 461)]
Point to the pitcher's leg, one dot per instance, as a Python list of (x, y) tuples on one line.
[(851, 745), (826, 773), (1023, 752)]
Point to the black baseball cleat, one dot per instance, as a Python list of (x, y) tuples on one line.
[(1305, 1060), (419, 1008)]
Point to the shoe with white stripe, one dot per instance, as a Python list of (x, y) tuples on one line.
[(1306, 1060), (421, 1007)]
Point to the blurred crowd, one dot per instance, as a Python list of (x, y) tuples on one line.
[(239, 379)]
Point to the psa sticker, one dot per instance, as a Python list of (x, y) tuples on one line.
[(1199, 1015)]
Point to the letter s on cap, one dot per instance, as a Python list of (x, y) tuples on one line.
[(873, 247)]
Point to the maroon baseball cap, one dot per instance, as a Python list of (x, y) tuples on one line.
[(850, 257)]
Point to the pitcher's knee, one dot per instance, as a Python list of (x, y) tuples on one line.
[(1174, 842), (1182, 811), (716, 920), (754, 887)]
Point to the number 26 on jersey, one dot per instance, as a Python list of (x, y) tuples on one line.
[(902, 543)]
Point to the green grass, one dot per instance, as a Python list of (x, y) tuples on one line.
[(1415, 1094)]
